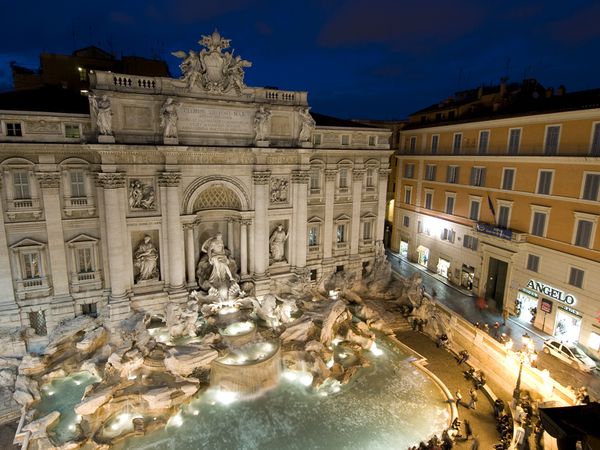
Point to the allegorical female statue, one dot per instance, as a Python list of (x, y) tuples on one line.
[(262, 120), (168, 118), (146, 260), (103, 111), (307, 126), (277, 243)]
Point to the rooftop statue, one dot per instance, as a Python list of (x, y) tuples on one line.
[(213, 69), (102, 108)]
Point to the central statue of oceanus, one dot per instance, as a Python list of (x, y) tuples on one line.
[(213, 69)]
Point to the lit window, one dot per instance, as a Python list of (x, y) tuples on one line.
[(313, 236), (30, 265), (85, 261), (594, 341), (14, 129), (72, 131)]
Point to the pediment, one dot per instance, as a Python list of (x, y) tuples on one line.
[(315, 219), (82, 238), (27, 243), (343, 218)]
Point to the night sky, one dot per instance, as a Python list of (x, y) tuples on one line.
[(380, 59)]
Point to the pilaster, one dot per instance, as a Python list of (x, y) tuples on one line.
[(190, 250), (9, 311), (62, 303), (381, 202)]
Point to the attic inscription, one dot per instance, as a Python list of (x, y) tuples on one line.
[(212, 120)]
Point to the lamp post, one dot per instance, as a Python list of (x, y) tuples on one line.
[(526, 354)]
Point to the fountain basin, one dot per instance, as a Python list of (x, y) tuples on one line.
[(248, 369), (237, 334)]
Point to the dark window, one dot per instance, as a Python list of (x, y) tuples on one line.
[(470, 242), (339, 268), (452, 174), (90, 309), (576, 277), (591, 186), (508, 179), (595, 148), (484, 138), (430, 172), (583, 236), (405, 221), (409, 170), (551, 144), (533, 263), (545, 182), (514, 141), (435, 140), (449, 205), (478, 176), (313, 275), (413, 145), (13, 129), (503, 213), (457, 143), (72, 131), (428, 200), (539, 223)]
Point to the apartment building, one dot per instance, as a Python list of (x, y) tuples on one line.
[(498, 191)]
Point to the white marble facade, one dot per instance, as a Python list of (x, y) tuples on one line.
[(75, 210)]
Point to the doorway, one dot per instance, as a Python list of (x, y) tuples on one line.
[(528, 307), (442, 267), (496, 283), (423, 253), (404, 249), (567, 327), (467, 277)]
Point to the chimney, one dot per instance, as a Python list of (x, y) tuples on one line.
[(562, 90), (549, 92)]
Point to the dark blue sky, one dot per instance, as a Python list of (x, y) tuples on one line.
[(357, 59)]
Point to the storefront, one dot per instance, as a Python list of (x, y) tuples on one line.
[(467, 276), (567, 325), (404, 248), (423, 255), (442, 267), (555, 311), (526, 305)]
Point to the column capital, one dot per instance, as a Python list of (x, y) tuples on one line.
[(169, 179), (48, 179), (246, 222), (384, 171), (300, 176), (261, 176), (111, 180), (330, 174), (358, 174)]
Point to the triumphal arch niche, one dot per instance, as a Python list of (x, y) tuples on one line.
[(162, 165)]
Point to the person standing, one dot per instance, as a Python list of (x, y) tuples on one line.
[(474, 398), (457, 398), (468, 430)]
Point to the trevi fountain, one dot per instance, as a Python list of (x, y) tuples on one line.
[(305, 366)]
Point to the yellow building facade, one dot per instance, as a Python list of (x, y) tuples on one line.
[(507, 206)]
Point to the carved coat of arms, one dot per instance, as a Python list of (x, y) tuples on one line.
[(213, 69)]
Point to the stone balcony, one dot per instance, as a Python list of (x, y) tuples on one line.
[(23, 207), (85, 281), (85, 204), (33, 287)]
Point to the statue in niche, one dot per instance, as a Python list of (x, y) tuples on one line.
[(168, 118), (141, 196), (146, 260), (262, 120), (307, 126), (279, 190), (214, 247), (103, 111), (277, 243)]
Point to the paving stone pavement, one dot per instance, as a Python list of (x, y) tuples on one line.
[(443, 364)]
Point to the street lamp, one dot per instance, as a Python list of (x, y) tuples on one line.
[(526, 354)]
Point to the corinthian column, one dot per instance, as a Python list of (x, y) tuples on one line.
[(299, 218), (170, 180), (244, 224), (357, 183), (189, 255), (261, 227)]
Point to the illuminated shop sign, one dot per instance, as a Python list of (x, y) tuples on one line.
[(551, 292), (493, 231)]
